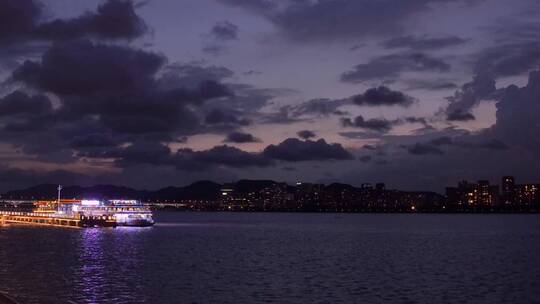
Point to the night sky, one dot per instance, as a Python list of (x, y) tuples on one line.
[(418, 94)]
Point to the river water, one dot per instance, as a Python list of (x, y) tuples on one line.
[(279, 258)]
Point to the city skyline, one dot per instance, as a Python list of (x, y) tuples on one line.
[(504, 186), (147, 94), (272, 196)]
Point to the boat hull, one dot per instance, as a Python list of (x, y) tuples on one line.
[(137, 223)]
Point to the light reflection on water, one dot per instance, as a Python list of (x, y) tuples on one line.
[(92, 274), (109, 273), (282, 258)]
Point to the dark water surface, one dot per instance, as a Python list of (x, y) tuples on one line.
[(279, 258)]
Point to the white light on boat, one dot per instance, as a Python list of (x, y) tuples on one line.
[(121, 217), (90, 202), (124, 202)]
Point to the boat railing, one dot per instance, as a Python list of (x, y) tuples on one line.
[(40, 214)]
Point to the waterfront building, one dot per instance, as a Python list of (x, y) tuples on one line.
[(508, 190), (481, 194), (527, 195)]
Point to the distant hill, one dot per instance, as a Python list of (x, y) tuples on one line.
[(44, 191), (337, 187), (202, 190), (247, 185), (49, 191)]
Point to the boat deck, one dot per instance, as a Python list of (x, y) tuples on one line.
[(49, 220)]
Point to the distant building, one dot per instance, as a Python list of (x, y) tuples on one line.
[(231, 199), (519, 195), (527, 195), (466, 194), (508, 190)]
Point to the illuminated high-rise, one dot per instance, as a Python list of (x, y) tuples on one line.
[(508, 187)]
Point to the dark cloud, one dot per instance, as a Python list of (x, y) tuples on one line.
[(374, 124), (365, 158), (108, 70), (422, 149), (377, 127), (141, 152), (293, 149), (191, 74), (324, 107), (423, 43), (517, 115), (27, 123), (382, 162), (390, 67), (83, 67), (225, 120), (224, 30), (283, 115), (94, 140), (306, 134), (382, 96), (480, 88), (251, 73), (490, 144), (318, 21), (414, 119), (250, 99), (260, 6), (360, 134), (187, 159), (239, 137), (431, 84), (443, 140), (12, 54), (220, 33), (369, 147), (18, 19), (516, 52), (459, 115), (426, 126), (240, 106), (20, 103), (320, 107), (508, 58), (107, 95), (114, 19), (434, 146)]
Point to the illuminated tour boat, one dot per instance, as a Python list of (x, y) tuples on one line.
[(77, 213)]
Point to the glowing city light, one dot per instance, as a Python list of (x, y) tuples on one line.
[(124, 202), (90, 202)]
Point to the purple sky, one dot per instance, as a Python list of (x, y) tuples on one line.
[(418, 94)]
